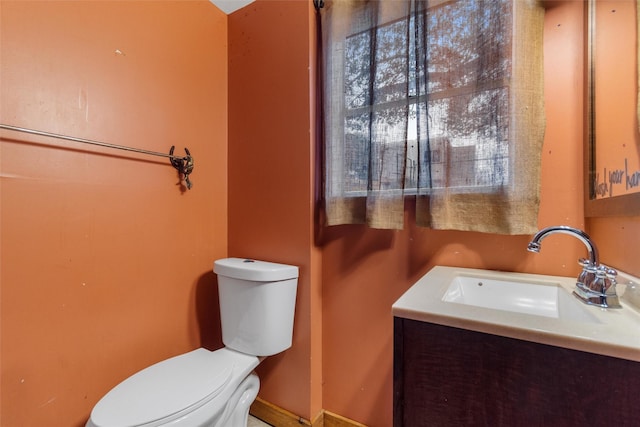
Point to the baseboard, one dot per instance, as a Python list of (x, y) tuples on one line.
[(335, 420), (279, 417), (276, 416)]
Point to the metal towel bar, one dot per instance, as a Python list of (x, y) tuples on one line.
[(184, 164)]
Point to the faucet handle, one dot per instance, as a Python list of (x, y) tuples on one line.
[(588, 274), (606, 272), (612, 276), (604, 282), (610, 288), (586, 264)]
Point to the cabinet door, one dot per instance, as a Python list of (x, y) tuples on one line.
[(446, 376)]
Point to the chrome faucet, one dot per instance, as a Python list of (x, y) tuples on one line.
[(596, 284)]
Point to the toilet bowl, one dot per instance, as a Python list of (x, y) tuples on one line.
[(213, 388)]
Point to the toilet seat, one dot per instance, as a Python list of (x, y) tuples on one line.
[(170, 389)]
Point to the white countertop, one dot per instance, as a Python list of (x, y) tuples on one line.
[(616, 334)]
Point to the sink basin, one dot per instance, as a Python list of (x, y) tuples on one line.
[(538, 298)]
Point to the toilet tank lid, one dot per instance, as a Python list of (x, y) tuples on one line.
[(254, 270)]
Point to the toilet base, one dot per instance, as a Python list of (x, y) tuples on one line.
[(236, 413)]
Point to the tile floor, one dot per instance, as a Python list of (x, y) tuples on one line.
[(254, 422)]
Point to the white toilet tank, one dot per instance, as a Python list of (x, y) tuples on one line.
[(257, 304)]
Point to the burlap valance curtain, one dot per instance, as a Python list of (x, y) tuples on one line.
[(439, 99)]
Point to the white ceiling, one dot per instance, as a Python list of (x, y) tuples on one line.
[(230, 6)]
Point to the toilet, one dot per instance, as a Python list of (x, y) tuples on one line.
[(213, 388)]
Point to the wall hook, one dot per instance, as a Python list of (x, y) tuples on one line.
[(184, 165)]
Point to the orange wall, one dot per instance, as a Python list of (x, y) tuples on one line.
[(106, 265), (617, 240), (270, 179)]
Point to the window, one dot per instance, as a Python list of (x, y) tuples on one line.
[(467, 144), (434, 98)]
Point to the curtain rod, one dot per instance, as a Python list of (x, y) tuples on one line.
[(184, 164)]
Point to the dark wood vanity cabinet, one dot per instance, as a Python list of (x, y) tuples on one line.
[(445, 376)]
